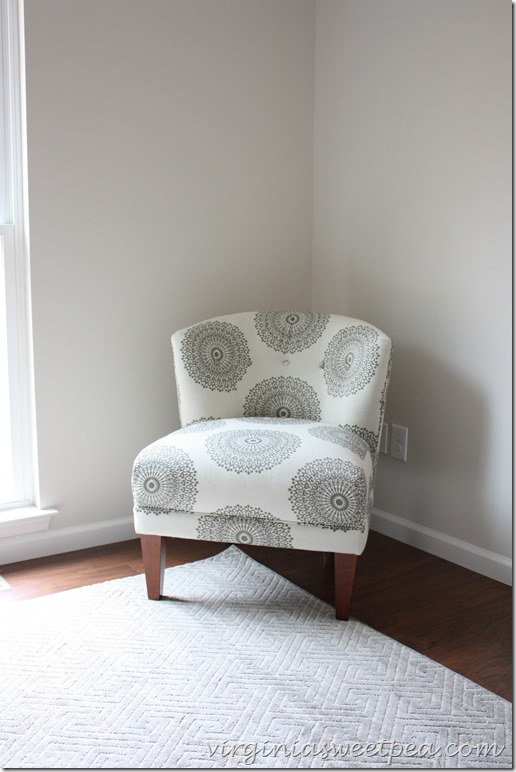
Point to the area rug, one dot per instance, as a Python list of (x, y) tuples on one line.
[(240, 669)]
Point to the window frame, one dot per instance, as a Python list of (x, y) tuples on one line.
[(14, 235)]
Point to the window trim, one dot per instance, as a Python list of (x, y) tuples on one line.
[(15, 233), (18, 371)]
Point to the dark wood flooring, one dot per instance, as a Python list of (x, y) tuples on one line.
[(452, 615)]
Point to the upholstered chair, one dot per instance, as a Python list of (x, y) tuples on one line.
[(281, 414)]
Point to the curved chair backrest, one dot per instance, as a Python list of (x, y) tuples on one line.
[(320, 367)]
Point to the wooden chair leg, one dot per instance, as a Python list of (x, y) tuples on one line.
[(154, 552), (345, 570)]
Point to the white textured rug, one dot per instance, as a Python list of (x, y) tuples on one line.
[(242, 670)]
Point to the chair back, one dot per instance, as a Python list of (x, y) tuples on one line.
[(284, 364)]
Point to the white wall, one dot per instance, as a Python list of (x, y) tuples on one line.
[(412, 231), (170, 158), (170, 180)]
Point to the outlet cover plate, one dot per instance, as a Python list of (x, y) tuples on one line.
[(399, 441)]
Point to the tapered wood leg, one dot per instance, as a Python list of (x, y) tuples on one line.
[(154, 552), (345, 570)]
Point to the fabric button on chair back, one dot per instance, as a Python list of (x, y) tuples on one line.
[(281, 415)]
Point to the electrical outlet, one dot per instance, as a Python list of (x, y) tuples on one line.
[(399, 440), (384, 439)]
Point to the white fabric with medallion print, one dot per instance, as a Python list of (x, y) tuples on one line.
[(281, 415)]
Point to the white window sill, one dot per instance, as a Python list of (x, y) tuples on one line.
[(17, 522)]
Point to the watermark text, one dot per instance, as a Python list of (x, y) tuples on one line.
[(386, 750)]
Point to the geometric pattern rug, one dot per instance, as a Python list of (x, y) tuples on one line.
[(236, 668)]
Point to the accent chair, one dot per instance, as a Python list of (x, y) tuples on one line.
[(281, 415)]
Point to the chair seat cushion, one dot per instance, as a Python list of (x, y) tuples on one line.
[(264, 470)]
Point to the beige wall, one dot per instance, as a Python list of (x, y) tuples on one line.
[(412, 230), (171, 149), (170, 180)]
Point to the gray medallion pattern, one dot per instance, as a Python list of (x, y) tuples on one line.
[(258, 419), (179, 398), (216, 355), (251, 450), (351, 360), (290, 331), (283, 397), (202, 425), (370, 499), (243, 524), (342, 437), (383, 396), (164, 479), (369, 437), (330, 493)]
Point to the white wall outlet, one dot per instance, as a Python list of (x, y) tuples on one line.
[(384, 439), (399, 440)]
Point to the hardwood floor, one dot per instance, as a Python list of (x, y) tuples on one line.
[(452, 615)]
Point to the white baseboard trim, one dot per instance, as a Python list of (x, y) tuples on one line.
[(449, 548), (57, 541)]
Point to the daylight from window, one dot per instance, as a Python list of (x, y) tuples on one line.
[(6, 457), (15, 434)]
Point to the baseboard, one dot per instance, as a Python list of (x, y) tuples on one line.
[(57, 541), (436, 543)]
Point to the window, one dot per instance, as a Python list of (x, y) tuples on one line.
[(16, 478)]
